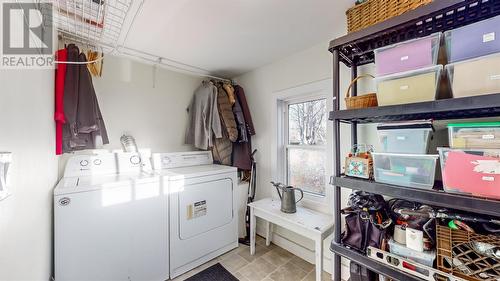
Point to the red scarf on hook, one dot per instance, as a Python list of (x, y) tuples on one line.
[(61, 55)]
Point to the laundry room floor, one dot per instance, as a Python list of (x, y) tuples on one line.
[(268, 264)]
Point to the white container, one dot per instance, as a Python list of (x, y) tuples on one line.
[(471, 171), (484, 135), (396, 138), (409, 87), (411, 170), (473, 40), (426, 257), (410, 55), (475, 77)]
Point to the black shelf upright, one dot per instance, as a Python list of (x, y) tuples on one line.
[(356, 49)]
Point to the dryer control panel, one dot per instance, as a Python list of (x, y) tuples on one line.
[(181, 159), (106, 163)]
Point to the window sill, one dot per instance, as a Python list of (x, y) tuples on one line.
[(317, 203)]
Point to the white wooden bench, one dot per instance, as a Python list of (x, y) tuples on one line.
[(306, 222)]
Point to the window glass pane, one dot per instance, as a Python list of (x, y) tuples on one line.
[(307, 123), (306, 169)]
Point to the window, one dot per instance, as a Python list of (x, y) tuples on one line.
[(305, 128), (301, 148)]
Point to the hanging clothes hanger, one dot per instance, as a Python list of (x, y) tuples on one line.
[(95, 68), (79, 43)]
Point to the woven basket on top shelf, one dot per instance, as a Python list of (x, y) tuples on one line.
[(375, 11)]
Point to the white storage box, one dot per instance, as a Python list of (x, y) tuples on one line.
[(471, 171), (410, 55), (412, 138), (473, 40), (426, 257), (475, 77), (484, 135), (409, 87), (411, 170)]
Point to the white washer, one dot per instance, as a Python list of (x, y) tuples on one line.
[(110, 220), (202, 203)]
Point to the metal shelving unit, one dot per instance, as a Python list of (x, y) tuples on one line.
[(356, 49), (432, 197), (371, 264), (459, 108)]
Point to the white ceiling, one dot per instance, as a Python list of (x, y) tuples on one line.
[(230, 37)]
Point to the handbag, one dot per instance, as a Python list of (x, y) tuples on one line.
[(361, 232), (367, 221)]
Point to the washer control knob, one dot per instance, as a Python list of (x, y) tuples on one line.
[(166, 160), (84, 163), (97, 162), (135, 159)]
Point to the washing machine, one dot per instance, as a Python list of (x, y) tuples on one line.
[(202, 208), (110, 220)]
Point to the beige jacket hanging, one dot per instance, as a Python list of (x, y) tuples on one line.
[(226, 114)]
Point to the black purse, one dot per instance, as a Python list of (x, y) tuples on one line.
[(367, 221), (361, 232), (366, 225)]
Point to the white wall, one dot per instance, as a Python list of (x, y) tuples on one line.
[(261, 86), (313, 64), (152, 109), (27, 130), (147, 102), (156, 116)]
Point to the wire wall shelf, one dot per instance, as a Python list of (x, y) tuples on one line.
[(103, 25), (97, 23)]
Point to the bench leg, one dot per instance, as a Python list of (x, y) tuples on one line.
[(333, 266), (319, 258), (253, 227), (269, 233)]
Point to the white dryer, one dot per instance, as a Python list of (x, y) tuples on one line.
[(202, 204), (110, 220)]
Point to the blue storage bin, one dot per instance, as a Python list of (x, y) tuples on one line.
[(405, 138), (411, 170), (474, 40)]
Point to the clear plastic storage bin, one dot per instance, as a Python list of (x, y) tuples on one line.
[(410, 55), (425, 258), (475, 135), (473, 40), (409, 87), (475, 77), (402, 138), (405, 169), (471, 171)]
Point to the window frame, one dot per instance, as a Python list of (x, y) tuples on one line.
[(310, 91), (286, 138)]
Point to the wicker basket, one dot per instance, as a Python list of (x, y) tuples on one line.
[(456, 255), (363, 101), (375, 11)]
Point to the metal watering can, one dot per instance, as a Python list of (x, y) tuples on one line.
[(287, 196)]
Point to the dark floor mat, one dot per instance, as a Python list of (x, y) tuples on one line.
[(214, 273)]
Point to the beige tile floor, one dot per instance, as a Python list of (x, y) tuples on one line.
[(268, 264)]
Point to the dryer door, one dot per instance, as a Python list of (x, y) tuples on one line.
[(205, 206), (203, 224)]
